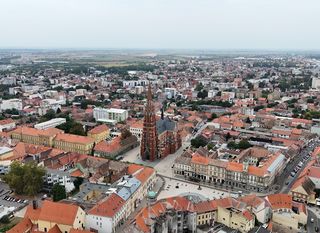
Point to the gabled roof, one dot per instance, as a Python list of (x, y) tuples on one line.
[(108, 207), (56, 212), (279, 201), (24, 226)]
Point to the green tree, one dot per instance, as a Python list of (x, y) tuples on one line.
[(244, 144), (58, 192), (198, 141), (25, 179), (77, 129), (199, 87), (77, 182)]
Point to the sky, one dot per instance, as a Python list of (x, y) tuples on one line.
[(161, 24)]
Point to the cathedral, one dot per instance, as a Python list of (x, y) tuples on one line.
[(159, 137)]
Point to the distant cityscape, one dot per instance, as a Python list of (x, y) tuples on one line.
[(160, 141)]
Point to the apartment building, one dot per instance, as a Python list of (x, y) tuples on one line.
[(111, 115), (106, 216), (7, 125), (241, 173), (62, 178)]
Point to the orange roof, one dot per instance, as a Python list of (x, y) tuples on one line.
[(198, 159), (37, 132), (54, 229), (137, 124), (145, 174), (205, 206), (6, 121), (280, 201), (134, 168), (109, 146), (108, 207), (77, 173), (32, 214), (74, 139), (99, 129), (24, 226), (233, 166), (55, 212)]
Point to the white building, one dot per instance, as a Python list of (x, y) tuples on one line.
[(170, 92), (111, 115), (51, 123), (48, 104), (315, 83), (133, 83), (61, 177), (7, 125), (6, 155), (10, 104), (106, 216)]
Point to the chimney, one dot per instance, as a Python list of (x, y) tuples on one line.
[(34, 204), (162, 113)]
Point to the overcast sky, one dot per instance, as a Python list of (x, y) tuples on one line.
[(180, 24)]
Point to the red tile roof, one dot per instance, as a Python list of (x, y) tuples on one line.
[(109, 207), (99, 129), (55, 212)]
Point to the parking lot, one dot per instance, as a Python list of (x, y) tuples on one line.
[(174, 187), (9, 203)]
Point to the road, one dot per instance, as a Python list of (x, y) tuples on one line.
[(285, 176), (313, 213)]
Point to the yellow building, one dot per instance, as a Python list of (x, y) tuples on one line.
[(50, 214), (99, 133), (35, 136), (74, 143), (206, 212), (235, 218), (5, 153)]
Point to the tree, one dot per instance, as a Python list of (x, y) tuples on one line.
[(58, 192), (198, 141), (77, 129), (299, 126), (248, 121), (199, 87), (77, 182), (244, 144), (25, 179), (5, 219), (202, 94), (210, 146)]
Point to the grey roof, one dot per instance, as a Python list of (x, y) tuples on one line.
[(165, 125), (128, 187)]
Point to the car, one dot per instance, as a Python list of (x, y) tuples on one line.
[(292, 174), (287, 183), (316, 229), (312, 220)]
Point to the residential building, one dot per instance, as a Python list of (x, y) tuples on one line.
[(62, 178), (51, 214), (111, 115), (7, 125), (11, 104), (107, 215)]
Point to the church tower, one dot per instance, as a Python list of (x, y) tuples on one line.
[(149, 140)]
